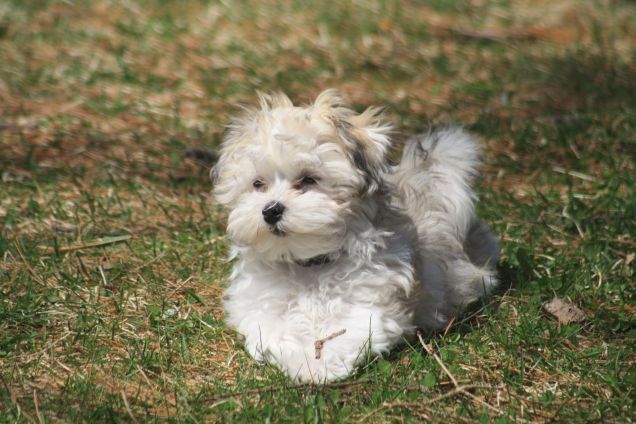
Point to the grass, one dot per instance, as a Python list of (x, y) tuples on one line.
[(101, 100)]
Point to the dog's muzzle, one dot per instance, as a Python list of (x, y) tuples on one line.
[(273, 212)]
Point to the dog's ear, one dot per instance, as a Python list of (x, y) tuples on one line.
[(230, 167), (365, 136), (272, 101)]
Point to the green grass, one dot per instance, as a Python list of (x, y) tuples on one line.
[(101, 100)]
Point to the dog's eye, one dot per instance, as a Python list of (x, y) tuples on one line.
[(258, 184), (306, 180)]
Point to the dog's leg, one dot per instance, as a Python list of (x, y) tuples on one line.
[(347, 336), (330, 349)]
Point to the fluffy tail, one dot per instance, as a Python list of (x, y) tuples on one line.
[(457, 251), (436, 173)]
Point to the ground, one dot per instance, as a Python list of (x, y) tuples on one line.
[(112, 251)]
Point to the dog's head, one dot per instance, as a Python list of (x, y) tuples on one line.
[(292, 177)]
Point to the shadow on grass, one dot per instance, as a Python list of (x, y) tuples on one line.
[(590, 81)]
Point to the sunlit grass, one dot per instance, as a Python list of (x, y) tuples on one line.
[(102, 104)]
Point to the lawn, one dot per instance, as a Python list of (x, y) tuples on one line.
[(112, 250)]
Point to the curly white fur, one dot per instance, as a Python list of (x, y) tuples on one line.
[(359, 246)]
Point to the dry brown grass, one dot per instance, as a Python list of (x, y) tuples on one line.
[(101, 100)]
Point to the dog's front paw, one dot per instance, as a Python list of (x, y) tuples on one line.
[(308, 369), (320, 361), (303, 359)]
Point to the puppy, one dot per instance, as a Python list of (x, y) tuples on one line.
[(338, 255)]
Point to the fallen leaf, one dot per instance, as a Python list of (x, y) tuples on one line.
[(629, 259), (564, 311)]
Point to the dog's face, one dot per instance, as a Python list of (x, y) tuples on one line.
[(292, 177)]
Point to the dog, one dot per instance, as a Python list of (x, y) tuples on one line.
[(339, 255)]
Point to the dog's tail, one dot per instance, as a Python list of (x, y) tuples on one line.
[(436, 173), (457, 251)]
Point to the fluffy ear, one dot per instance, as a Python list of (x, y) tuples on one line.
[(249, 117), (235, 139), (272, 101), (365, 136)]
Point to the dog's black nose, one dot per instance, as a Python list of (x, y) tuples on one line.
[(273, 212)]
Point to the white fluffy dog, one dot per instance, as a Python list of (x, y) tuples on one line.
[(340, 256)]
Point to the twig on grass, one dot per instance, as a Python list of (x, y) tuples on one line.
[(458, 388), (488, 35), (430, 351), (149, 262), (417, 406), (37, 407), (448, 326), (28, 264), (89, 244), (454, 392), (574, 174), (127, 406), (179, 285), (143, 374), (418, 387)]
